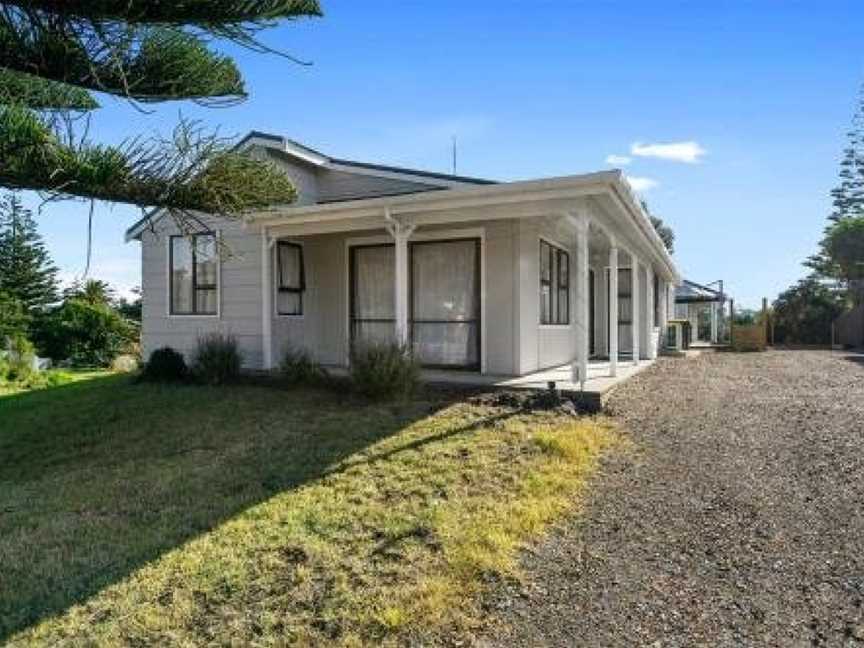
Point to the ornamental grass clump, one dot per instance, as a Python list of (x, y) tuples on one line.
[(384, 371), (299, 367), (217, 359)]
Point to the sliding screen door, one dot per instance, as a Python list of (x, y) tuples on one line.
[(445, 303), (373, 312)]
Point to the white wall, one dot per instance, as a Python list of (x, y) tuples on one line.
[(239, 293)]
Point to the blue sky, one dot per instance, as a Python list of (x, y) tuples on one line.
[(765, 89)]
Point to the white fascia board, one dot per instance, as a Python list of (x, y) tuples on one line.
[(624, 193), (144, 223), (457, 197)]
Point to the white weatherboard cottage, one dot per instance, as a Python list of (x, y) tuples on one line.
[(498, 279)]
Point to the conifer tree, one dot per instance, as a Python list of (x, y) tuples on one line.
[(26, 271), (59, 57), (839, 257)]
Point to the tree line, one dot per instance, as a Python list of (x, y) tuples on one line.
[(803, 313), (85, 324)]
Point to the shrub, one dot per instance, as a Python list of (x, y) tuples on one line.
[(13, 317), (19, 359), (165, 365), (384, 370), (84, 335), (298, 367), (125, 363), (217, 359)]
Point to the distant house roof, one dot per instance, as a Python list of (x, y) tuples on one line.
[(692, 292)]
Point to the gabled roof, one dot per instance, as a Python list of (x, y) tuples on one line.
[(412, 180), (692, 292), (310, 155)]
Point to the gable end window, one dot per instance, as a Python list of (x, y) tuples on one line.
[(292, 278), (554, 285), (193, 267)]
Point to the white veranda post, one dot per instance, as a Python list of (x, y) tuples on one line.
[(663, 302), (580, 367), (613, 310), (635, 305), (400, 232), (651, 351), (714, 322), (266, 302)]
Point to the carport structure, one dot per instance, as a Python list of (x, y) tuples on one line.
[(703, 307)]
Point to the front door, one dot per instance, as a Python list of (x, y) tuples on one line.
[(444, 299)]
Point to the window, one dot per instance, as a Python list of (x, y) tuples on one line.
[(657, 321), (554, 285), (292, 278), (193, 267)]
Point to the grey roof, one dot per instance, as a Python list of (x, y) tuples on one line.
[(690, 291), (277, 139)]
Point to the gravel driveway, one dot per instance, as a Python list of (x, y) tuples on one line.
[(736, 519)]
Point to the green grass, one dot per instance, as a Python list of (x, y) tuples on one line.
[(145, 514), (49, 379)]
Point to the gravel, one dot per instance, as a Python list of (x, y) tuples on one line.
[(735, 518)]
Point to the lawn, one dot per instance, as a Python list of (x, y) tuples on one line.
[(139, 514)]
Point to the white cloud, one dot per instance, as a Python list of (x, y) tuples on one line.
[(688, 152), (618, 160), (642, 184)]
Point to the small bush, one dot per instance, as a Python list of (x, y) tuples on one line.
[(125, 363), (298, 367), (165, 365), (217, 359), (382, 371)]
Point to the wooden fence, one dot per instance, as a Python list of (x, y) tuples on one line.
[(750, 337), (848, 329)]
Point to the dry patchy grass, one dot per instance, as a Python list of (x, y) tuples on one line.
[(138, 514)]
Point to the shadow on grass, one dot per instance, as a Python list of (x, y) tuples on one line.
[(99, 478)]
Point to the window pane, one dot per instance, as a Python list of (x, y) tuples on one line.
[(444, 281), (205, 260), (453, 345), (563, 269), (545, 305), (290, 268), (625, 287), (205, 301), (289, 303), (545, 261), (181, 275), (563, 306), (374, 283), (374, 332)]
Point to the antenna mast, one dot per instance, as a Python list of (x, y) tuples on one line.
[(454, 155)]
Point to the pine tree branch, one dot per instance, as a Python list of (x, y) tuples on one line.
[(190, 172), (142, 63), (204, 13), (41, 94)]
